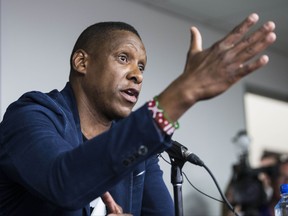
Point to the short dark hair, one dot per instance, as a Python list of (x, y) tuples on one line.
[(97, 32)]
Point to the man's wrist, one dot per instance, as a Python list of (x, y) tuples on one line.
[(160, 117)]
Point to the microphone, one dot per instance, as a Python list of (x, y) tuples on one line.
[(180, 152)]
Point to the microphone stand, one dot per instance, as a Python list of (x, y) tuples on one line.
[(177, 180), (179, 154)]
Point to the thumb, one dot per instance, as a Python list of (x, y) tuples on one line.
[(196, 40)]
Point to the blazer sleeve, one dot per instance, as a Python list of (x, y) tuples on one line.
[(39, 153)]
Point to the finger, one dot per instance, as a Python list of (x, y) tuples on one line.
[(238, 32), (252, 66), (256, 43), (196, 41), (260, 62), (112, 206)]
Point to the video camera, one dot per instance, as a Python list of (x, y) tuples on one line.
[(247, 190)]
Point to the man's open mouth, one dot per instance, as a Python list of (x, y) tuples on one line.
[(130, 95)]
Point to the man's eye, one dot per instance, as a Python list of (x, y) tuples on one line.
[(141, 67), (123, 58)]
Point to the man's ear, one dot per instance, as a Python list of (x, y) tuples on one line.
[(79, 61)]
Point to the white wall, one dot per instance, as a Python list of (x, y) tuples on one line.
[(37, 37)]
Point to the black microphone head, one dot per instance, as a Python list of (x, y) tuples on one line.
[(180, 152), (177, 150)]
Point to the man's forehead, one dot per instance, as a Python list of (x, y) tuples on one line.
[(121, 38)]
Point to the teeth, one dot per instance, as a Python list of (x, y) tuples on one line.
[(130, 92)]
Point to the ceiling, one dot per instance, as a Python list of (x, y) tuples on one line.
[(223, 15)]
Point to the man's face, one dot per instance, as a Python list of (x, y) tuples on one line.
[(114, 75)]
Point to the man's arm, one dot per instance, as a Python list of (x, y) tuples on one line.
[(36, 154)]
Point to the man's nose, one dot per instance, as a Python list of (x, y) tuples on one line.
[(135, 74)]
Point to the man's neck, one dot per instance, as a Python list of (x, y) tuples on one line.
[(91, 121), (92, 125)]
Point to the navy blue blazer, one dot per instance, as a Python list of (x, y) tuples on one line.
[(47, 169)]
